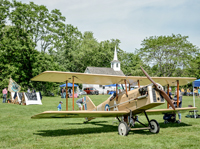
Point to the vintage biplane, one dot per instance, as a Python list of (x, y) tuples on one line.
[(124, 105)]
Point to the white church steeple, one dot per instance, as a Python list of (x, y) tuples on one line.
[(115, 64)]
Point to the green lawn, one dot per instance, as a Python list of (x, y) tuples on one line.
[(18, 130)]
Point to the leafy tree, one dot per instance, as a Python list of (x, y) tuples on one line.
[(44, 62), (4, 11), (193, 70), (166, 54), (65, 47), (43, 27), (130, 64), (17, 55)]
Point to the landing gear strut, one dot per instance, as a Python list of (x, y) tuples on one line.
[(124, 128)]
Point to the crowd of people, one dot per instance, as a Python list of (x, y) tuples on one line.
[(63, 92), (190, 93), (5, 93), (29, 91)]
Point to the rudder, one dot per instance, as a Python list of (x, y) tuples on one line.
[(88, 104)]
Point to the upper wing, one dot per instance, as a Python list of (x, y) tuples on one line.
[(78, 114), (58, 76), (163, 111)]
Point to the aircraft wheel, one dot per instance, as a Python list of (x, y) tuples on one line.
[(123, 129), (155, 125)]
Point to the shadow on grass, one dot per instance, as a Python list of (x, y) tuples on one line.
[(162, 125), (90, 130), (94, 123), (103, 129), (62, 132)]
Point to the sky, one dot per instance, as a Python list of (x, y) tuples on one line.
[(130, 21)]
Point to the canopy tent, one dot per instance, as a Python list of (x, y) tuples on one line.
[(68, 84), (197, 83), (111, 85)]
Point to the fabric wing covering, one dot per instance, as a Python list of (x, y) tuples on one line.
[(83, 114), (57, 76), (78, 114)]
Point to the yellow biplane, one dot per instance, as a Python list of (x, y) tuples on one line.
[(124, 105)]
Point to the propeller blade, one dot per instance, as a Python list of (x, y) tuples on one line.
[(159, 89), (148, 76), (167, 98)]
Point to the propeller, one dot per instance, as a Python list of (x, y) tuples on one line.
[(159, 88)]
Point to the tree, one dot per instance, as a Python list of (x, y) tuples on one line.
[(43, 27), (66, 47), (44, 62), (130, 64), (193, 69), (17, 55), (4, 12), (167, 53)]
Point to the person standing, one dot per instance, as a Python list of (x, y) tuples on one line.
[(59, 106), (188, 92), (79, 102), (170, 94), (29, 91), (64, 93), (33, 91), (199, 92), (5, 92), (182, 91)]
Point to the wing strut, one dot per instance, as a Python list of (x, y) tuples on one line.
[(73, 94), (126, 87), (116, 92), (66, 95), (168, 95), (138, 81), (177, 91)]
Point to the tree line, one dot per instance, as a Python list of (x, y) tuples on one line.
[(34, 39)]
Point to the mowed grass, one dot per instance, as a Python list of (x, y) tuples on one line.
[(18, 130)]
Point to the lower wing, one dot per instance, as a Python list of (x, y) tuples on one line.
[(78, 114), (163, 111)]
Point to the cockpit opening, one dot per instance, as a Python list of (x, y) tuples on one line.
[(143, 91)]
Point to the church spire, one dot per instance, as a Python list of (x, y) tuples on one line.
[(115, 55), (115, 64)]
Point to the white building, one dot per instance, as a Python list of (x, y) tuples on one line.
[(114, 70)]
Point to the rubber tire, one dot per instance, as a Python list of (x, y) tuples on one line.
[(123, 129), (155, 125)]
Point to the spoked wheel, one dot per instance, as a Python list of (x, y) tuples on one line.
[(123, 129), (155, 126)]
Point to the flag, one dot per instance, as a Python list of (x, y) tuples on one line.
[(13, 86)]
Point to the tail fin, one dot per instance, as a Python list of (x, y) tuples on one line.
[(88, 104)]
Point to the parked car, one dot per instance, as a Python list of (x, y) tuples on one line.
[(82, 93), (91, 91)]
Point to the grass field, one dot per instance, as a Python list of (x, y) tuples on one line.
[(18, 130)]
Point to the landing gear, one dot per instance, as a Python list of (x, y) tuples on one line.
[(125, 125), (155, 127), (123, 129)]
